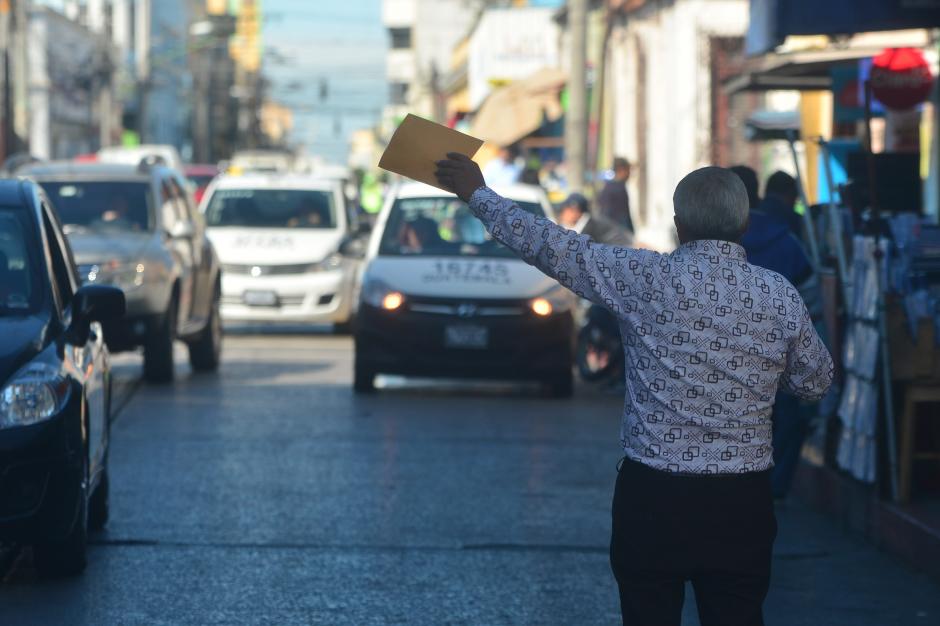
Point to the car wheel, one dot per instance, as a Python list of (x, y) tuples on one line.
[(99, 508), (363, 380), (67, 556), (562, 385), (158, 350), (205, 352), (363, 376)]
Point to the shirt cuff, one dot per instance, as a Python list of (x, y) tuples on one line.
[(477, 196)]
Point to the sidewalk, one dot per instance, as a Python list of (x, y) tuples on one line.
[(823, 576)]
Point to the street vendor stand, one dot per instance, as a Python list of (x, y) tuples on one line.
[(858, 245)]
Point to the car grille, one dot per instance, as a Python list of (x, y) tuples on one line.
[(265, 270), (467, 308), (283, 300)]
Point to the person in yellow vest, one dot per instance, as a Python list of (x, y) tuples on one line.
[(370, 196)]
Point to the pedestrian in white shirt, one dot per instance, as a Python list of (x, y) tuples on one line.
[(502, 170), (708, 340)]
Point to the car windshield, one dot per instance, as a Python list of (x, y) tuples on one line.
[(271, 208), (19, 277), (441, 226), (101, 205)]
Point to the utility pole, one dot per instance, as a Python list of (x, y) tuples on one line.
[(6, 91), (611, 11), (576, 117)]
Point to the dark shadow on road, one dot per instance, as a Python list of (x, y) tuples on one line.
[(279, 330)]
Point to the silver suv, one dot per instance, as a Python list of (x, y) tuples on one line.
[(135, 227)]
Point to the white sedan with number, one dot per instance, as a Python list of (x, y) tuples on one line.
[(440, 297)]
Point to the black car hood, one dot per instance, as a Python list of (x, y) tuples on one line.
[(21, 338)]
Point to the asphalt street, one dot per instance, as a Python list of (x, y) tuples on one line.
[(269, 494)]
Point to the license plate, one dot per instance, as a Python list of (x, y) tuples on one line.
[(465, 336), (260, 298)]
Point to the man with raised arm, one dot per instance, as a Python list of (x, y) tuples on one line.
[(708, 339)]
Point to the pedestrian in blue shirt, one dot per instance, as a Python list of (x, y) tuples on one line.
[(708, 338), (770, 242)]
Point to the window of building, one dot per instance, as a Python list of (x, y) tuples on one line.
[(401, 38), (398, 93)]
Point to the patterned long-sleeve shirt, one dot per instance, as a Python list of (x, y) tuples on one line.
[(708, 339)]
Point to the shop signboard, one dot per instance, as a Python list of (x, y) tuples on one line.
[(508, 45), (772, 21), (901, 78)]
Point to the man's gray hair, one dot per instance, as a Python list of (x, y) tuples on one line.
[(712, 203)]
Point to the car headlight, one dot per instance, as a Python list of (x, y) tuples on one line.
[(555, 300), (34, 394), (380, 295), (127, 276), (330, 264)]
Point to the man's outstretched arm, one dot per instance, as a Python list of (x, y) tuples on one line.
[(576, 261)]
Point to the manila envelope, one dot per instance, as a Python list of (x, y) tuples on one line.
[(418, 144)]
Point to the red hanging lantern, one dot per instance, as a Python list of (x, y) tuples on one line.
[(901, 78)]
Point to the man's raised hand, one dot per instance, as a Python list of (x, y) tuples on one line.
[(460, 174)]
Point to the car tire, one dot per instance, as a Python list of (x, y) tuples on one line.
[(363, 376), (67, 556), (561, 385), (99, 508), (206, 350), (158, 349)]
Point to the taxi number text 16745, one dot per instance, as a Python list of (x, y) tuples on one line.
[(468, 272)]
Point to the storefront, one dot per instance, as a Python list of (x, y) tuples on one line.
[(868, 125)]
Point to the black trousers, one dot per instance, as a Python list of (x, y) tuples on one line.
[(715, 531)]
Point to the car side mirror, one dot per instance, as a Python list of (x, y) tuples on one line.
[(353, 247), (94, 303), (182, 230)]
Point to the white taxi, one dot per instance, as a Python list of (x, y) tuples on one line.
[(281, 240), (440, 297)]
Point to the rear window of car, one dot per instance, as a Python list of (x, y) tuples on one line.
[(20, 289), (101, 205), (271, 208)]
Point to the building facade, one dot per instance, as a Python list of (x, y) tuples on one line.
[(666, 110), (69, 86), (422, 36)]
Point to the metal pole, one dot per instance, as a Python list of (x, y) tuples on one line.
[(7, 89), (576, 119), (836, 224), (888, 391), (600, 95), (807, 214)]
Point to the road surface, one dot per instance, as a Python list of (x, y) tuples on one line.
[(270, 494)]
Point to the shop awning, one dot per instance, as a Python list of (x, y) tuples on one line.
[(772, 21), (514, 111), (805, 63), (803, 71)]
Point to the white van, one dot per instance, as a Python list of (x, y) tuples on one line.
[(440, 297), (281, 240)]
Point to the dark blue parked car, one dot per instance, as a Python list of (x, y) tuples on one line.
[(54, 386)]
